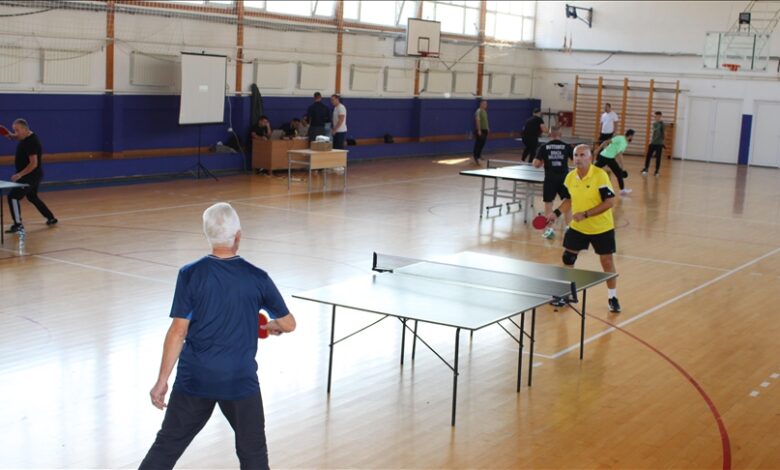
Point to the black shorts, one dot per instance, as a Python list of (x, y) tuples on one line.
[(603, 137), (553, 185), (603, 243)]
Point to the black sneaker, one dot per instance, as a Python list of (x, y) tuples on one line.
[(15, 228), (558, 302), (614, 305), (51, 221)]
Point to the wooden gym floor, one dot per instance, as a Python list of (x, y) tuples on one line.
[(685, 377)]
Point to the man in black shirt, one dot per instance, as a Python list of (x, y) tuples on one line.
[(554, 156), (262, 130), (533, 129), (318, 115), (28, 171), (291, 129)]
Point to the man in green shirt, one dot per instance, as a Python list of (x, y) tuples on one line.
[(610, 151), (656, 144), (481, 129)]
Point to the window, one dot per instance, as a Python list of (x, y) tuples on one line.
[(380, 12), (510, 21), (505, 20), (297, 8)]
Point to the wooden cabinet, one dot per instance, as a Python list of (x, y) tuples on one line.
[(271, 155)]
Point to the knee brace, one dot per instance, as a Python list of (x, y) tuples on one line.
[(569, 258)]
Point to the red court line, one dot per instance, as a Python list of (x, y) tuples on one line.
[(724, 435)]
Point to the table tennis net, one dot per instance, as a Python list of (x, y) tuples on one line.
[(475, 277)]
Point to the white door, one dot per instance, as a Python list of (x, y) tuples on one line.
[(714, 127), (765, 143)]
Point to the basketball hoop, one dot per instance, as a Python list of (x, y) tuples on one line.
[(732, 67)]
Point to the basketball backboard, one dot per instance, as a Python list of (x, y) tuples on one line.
[(423, 38)]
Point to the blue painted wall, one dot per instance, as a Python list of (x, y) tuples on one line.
[(744, 139), (106, 123)]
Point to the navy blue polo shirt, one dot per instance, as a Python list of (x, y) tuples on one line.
[(222, 297)]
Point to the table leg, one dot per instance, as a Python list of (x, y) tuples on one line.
[(482, 199), (332, 337), (414, 340), (309, 188), (345, 177), (582, 324), (289, 171), (533, 340), (520, 352), (403, 339), (324, 179), (455, 375)]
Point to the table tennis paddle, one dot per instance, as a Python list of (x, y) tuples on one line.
[(540, 222), (262, 333), (4, 131)]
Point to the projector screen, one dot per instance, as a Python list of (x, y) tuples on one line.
[(202, 88)]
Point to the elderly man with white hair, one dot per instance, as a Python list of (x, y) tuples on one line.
[(214, 338)]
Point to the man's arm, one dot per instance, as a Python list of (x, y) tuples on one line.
[(339, 123), (603, 146), (174, 342), (285, 324), (564, 208), (28, 169), (605, 204), (543, 128)]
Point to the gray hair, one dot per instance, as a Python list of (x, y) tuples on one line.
[(221, 224), (585, 146), (22, 122)]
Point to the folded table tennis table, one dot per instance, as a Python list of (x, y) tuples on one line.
[(466, 291)]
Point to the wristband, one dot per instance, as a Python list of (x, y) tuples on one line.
[(557, 212)]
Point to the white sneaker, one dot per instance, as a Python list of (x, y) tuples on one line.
[(644, 172), (625, 192), (549, 233)]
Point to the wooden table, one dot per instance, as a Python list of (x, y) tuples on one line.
[(317, 160), (270, 155)]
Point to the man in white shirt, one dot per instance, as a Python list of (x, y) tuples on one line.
[(608, 120), (339, 122)]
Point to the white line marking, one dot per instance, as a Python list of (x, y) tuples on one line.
[(668, 302), (537, 364), (111, 271), (675, 263), (765, 384), (774, 376), (754, 393)]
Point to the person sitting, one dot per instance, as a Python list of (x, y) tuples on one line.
[(291, 129), (262, 130), (303, 129)]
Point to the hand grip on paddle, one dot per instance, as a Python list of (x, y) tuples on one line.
[(262, 333), (4, 131)]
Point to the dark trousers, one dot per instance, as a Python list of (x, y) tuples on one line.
[(314, 131), (529, 152), (31, 193), (479, 143), (340, 140), (603, 137), (185, 417), (656, 149), (601, 162)]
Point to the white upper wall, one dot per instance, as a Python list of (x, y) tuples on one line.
[(639, 26)]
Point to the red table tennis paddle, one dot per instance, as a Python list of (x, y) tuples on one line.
[(262, 333), (540, 222), (4, 132)]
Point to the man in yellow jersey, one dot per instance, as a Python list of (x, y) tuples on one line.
[(588, 194)]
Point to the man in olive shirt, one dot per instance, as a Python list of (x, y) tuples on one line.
[(656, 144), (588, 195), (481, 129)]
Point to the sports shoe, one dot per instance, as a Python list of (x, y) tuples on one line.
[(558, 302), (549, 233), (657, 174), (52, 221), (15, 228), (626, 192), (644, 171), (614, 305)]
